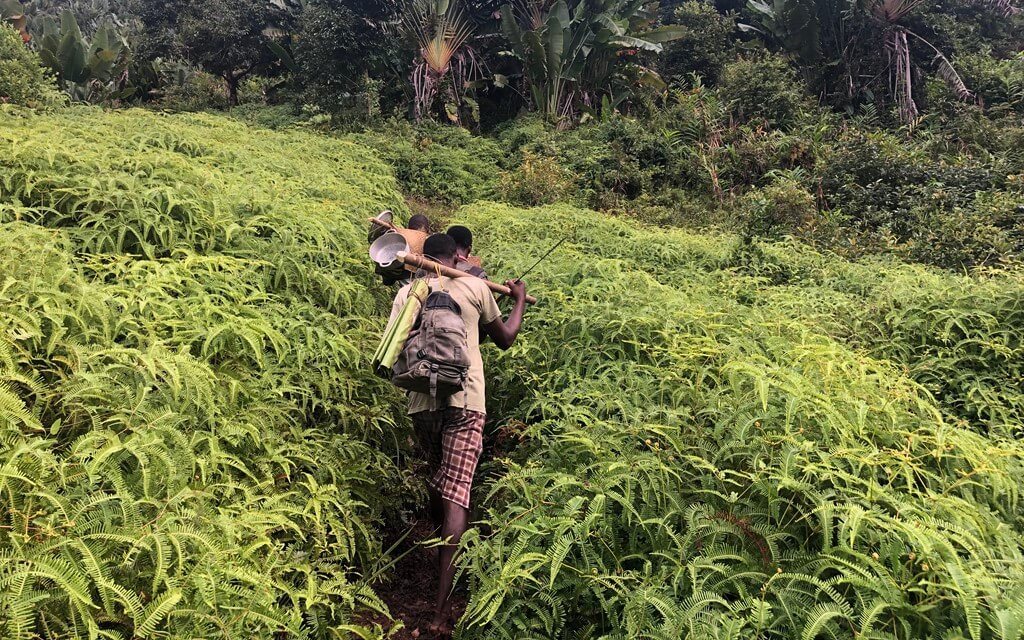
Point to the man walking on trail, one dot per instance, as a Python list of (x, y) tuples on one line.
[(463, 238), (452, 434)]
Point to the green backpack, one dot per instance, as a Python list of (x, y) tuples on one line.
[(435, 357)]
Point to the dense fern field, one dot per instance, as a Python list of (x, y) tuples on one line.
[(694, 437), (190, 443), (719, 440)]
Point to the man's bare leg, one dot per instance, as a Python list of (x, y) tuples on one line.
[(436, 508), (456, 520)]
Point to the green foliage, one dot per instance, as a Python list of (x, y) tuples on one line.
[(336, 49), (87, 70), (537, 180), (998, 83), (228, 38), (576, 53), (951, 211), (200, 91), (704, 46), (614, 160), (782, 208), (281, 116), (716, 436), (762, 441), (941, 194), (437, 162), (191, 441), (764, 89), (868, 50), (23, 80)]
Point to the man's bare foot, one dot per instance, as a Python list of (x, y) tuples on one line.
[(441, 625), (443, 630)]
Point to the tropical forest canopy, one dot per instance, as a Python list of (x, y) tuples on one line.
[(773, 388)]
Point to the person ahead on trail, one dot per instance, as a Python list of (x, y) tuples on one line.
[(451, 435), (419, 222), (464, 261)]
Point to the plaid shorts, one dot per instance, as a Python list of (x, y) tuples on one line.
[(452, 440)]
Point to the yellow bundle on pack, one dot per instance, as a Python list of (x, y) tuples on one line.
[(397, 331)]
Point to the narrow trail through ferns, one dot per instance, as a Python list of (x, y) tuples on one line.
[(712, 439)]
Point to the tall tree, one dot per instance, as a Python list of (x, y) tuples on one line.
[(229, 38), (340, 44)]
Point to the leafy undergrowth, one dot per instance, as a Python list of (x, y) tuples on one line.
[(191, 442), (713, 439), (731, 441)]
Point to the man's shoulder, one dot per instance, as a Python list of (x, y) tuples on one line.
[(477, 286)]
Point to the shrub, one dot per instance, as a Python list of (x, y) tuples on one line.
[(614, 161), (278, 116), (763, 89), (678, 208), (200, 91), (987, 231), (783, 207), (516, 134), (933, 209), (437, 162), (538, 180), (705, 46), (998, 84), (23, 80)]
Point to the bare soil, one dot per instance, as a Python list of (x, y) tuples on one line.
[(411, 587)]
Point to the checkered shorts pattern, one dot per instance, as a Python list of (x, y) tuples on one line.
[(452, 441)]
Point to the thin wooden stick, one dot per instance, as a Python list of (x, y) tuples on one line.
[(430, 265), (383, 224)]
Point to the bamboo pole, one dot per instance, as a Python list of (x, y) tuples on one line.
[(430, 265), (382, 223)]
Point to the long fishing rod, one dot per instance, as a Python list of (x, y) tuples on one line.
[(550, 251)]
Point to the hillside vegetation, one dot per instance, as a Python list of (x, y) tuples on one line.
[(696, 436), (191, 442), (734, 441)]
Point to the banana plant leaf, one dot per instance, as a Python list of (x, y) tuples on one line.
[(664, 34), (70, 53), (283, 55), (555, 46)]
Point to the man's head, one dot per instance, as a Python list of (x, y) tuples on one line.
[(441, 248), (420, 222), (463, 238)]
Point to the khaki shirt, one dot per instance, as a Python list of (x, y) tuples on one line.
[(478, 308)]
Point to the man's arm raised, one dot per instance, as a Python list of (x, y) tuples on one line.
[(504, 332)]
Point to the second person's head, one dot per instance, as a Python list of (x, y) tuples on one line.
[(463, 238)]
